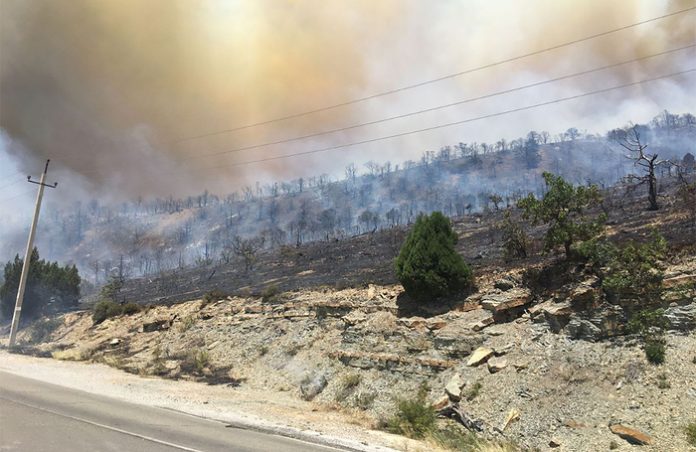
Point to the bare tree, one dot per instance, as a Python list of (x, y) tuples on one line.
[(246, 249), (648, 162)]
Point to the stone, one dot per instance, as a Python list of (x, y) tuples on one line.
[(578, 328), (631, 435), (496, 364), (504, 284), (312, 387), (149, 327), (681, 318), (503, 351), (115, 341), (677, 281), (441, 403), (498, 302), (483, 323), (479, 356), (454, 388), (554, 443)]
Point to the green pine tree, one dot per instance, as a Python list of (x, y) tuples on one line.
[(46, 280), (428, 266)]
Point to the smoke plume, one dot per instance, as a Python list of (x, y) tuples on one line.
[(109, 89)]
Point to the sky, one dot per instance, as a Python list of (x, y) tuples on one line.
[(114, 92)]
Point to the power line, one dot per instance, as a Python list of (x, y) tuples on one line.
[(435, 80), (450, 124), (440, 107)]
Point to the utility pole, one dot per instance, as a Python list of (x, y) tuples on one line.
[(27, 255)]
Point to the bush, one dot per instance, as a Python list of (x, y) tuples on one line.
[(655, 351), (195, 361), (414, 418), (428, 265), (270, 294), (651, 325), (130, 308), (562, 208), (690, 431), (106, 309), (629, 270), (515, 240)]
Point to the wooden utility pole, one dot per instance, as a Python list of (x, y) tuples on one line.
[(27, 255)]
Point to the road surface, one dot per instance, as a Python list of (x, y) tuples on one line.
[(37, 416)]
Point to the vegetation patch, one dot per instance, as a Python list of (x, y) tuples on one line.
[(690, 431), (42, 329), (563, 208), (106, 309), (651, 326), (428, 266), (414, 418), (270, 294), (212, 297)]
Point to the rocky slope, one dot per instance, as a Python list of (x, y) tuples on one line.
[(555, 363)]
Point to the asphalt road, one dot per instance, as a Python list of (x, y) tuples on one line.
[(37, 416)]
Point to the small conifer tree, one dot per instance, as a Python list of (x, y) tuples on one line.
[(428, 265)]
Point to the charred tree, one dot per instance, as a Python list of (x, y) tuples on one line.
[(646, 161)]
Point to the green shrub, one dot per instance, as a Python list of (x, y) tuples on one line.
[(629, 270), (414, 417), (130, 308), (690, 431), (655, 350), (105, 309), (428, 265), (562, 208), (473, 391), (651, 326)]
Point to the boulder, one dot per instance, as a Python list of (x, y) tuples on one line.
[(631, 435), (681, 318), (311, 387), (504, 284), (453, 389), (500, 302), (479, 356), (149, 327), (496, 364), (678, 281)]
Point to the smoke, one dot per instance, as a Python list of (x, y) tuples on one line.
[(108, 89)]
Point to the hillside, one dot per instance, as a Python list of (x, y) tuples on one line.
[(327, 325), (150, 237)]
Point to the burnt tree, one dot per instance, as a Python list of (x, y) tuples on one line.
[(648, 162)]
